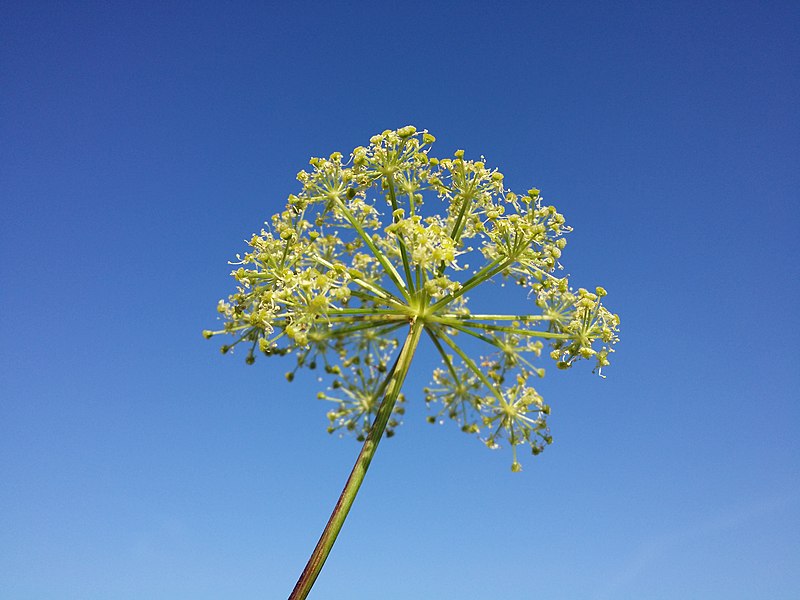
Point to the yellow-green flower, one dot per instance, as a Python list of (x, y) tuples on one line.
[(370, 245)]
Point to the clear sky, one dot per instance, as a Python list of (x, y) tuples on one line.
[(140, 144)]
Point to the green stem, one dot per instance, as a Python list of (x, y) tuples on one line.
[(326, 541), (462, 325), (373, 287), (488, 271), (483, 338), (368, 325), (364, 311), (457, 227), (473, 317), (403, 252), (489, 340), (473, 367), (375, 300), (393, 274), (445, 358)]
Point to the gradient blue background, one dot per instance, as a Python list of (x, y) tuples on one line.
[(141, 143)]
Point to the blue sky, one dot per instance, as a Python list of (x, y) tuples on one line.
[(141, 143)]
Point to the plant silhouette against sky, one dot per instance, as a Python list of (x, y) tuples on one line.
[(376, 250)]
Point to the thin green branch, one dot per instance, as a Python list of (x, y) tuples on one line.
[(391, 271), (366, 311), (403, 251), (475, 334), (368, 325), (458, 228), (492, 341), (457, 324), (379, 301), (472, 367), (368, 285), (480, 317), (445, 357), (486, 272)]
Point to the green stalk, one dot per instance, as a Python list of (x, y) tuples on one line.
[(457, 228), (382, 293), (369, 324), (470, 364), (401, 243), (395, 381), (488, 271), (474, 317), (462, 325), (445, 358), (393, 274)]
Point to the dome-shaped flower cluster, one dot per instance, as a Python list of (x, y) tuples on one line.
[(378, 242)]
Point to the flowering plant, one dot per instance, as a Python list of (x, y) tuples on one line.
[(376, 245)]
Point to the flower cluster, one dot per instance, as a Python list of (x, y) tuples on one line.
[(374, 243)]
